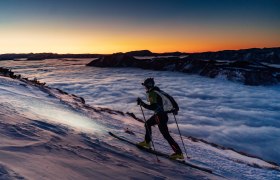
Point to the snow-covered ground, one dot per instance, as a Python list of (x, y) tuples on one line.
[(230, 114)]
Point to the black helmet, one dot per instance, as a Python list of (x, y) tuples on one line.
[(149, 83)]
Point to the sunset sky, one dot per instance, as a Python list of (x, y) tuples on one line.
[(107, 26)]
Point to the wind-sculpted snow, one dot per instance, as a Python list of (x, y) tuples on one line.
[(49, 127), (6, 173)]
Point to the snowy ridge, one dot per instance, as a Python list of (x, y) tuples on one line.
[(37, 144)]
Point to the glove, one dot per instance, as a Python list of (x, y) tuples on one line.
[(175, 111), (139, 101)]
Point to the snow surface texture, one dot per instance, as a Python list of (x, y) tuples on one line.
[(35, 144)]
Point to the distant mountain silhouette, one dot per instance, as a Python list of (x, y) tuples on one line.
[(243, 66), (149, 53), (140, 53), (249, 66), (267, 55), (42, 56)]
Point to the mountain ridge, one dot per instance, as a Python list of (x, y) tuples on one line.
[(269, 55)]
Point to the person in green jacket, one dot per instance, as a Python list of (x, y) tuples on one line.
[(160, 117)]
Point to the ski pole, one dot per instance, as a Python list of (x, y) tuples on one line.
[(181, 136), (149, 132)]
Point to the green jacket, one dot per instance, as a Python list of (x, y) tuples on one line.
[(155, 101)]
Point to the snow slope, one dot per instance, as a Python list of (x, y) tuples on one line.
[(49, 134), (42, 137)]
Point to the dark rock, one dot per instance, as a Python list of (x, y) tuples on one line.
[(247, 72), (267, 55), (171, 54), (83, 100), (114, 60), (149, 53), (140, 53), (134, 117)]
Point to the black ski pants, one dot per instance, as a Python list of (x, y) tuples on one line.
[(161, 120)]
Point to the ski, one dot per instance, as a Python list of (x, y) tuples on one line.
[(158, 153)]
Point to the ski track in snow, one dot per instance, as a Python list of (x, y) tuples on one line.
[(40, 109)]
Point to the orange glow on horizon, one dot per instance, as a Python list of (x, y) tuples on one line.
[(111, 39), (98, 27)]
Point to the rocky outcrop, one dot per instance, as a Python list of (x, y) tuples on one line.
[(9, 73), (149, 53), (246, 72), (140, 53), (115, 60), (265, 55)]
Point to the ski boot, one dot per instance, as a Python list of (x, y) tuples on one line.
[(177, 156), (144, 144)]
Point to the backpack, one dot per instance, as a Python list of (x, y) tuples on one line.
[(168, 102)]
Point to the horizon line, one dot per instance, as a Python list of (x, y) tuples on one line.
[(146, 50)]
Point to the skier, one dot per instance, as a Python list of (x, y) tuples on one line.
[(158, 103)]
